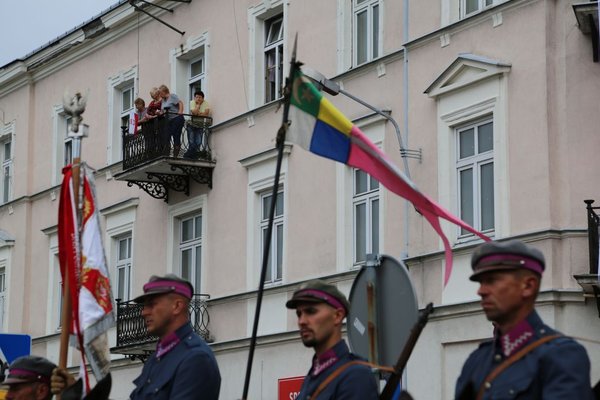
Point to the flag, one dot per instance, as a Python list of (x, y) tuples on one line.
[(133, 122), (319, 127), (82, 259)]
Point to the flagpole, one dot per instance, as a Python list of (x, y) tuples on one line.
[(74, 107), (267, 246)]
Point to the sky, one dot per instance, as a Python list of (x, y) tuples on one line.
[(29, 24)]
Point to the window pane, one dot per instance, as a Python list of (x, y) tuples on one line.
[(124, 249), (121, 284), (467, 143), (375, 43), (489, 2), (187, 230), (198, 227), (186, 264), (375, 226), (279, 233), (279, 205), (360, 239), (485, 137), (471, 6), (196, 68), (268, 275), (275, 31), (198, 265), (374, 184), (360, 181), (7, 155), (266, 205), (361, 37), (487, 196), (127, 99), (466, 196)]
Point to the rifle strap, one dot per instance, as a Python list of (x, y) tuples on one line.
[(341, 369), (487, 382)]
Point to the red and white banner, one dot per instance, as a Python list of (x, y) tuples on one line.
[(92, 303)]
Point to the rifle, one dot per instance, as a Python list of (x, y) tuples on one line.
[(392, 383)]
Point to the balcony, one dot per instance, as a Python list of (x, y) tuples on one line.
[(154, 163), (590, 282), (133, 339)]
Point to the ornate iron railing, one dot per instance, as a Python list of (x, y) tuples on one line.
[(593, 228), (131, 329), (152, 141)]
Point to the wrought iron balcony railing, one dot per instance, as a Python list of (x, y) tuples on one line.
[(153, 140), (593, 228), (133, 338)]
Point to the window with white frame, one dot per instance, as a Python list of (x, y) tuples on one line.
[(68, 142), (121, 94), (57, 298), (126, 104), (475, 174), (190, 249), (195, 76), (273, 60), (275, 259), (6, 159), (366, 30), (468, 7), (365, 207), (123, 264), (2, 296)]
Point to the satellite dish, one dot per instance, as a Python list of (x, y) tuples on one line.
[(383, 310)]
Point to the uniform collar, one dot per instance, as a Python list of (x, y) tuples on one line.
[(520, 335), (167, 343), (328, 358)]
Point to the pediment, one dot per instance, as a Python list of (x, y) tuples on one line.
[(466, 70)]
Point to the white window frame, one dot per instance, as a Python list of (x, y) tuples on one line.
[(273, 45), (257, 26), (126, 109), (7, 163), (175, 214), (275, 265), (54, 304), (481, 5), (62, 142), (367, 199), (124, 264), (181, 57), (373, 50), (196, 82), (116, 84), (475, 164), (3, 295), (192, 245)]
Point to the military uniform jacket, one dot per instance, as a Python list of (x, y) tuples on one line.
[(186, 371), (559, 369), (355, 382)]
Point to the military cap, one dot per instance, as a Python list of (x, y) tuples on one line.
[(29, 369), (317, 291), (166, 284), (510, 255)]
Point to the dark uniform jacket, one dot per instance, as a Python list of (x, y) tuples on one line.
[(355, 382), (559, 369), (186, 369)]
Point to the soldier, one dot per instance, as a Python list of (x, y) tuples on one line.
[(321, 309), (526, 359), (29, 379), (183, 366)]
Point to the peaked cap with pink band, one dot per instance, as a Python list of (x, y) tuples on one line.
[(166, 284), (509, 255), (318, 291)]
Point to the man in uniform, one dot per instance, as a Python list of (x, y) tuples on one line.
[(321, 309), (29, 379), (183, 366), (536, 361)]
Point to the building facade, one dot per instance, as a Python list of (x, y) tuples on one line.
[(496, 102)]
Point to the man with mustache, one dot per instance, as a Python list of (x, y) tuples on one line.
[(526, 359), (321, 309)]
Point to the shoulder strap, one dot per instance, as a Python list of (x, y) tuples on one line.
[(487, 382), (341, 369)]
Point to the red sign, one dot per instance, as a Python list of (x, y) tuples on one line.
[(289, 388)]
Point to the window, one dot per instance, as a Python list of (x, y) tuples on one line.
[(123, 267), (57, 303), (68, 147), (365, 205), (195, 76), (273, 61), (190, 249), (475, 171), (366, 40), (471, 6), (126, 105), (275, 261), (7, 172), (2, 296)]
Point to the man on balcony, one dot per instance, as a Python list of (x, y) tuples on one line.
[(526, 359), (183, 366), (173, 107)]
